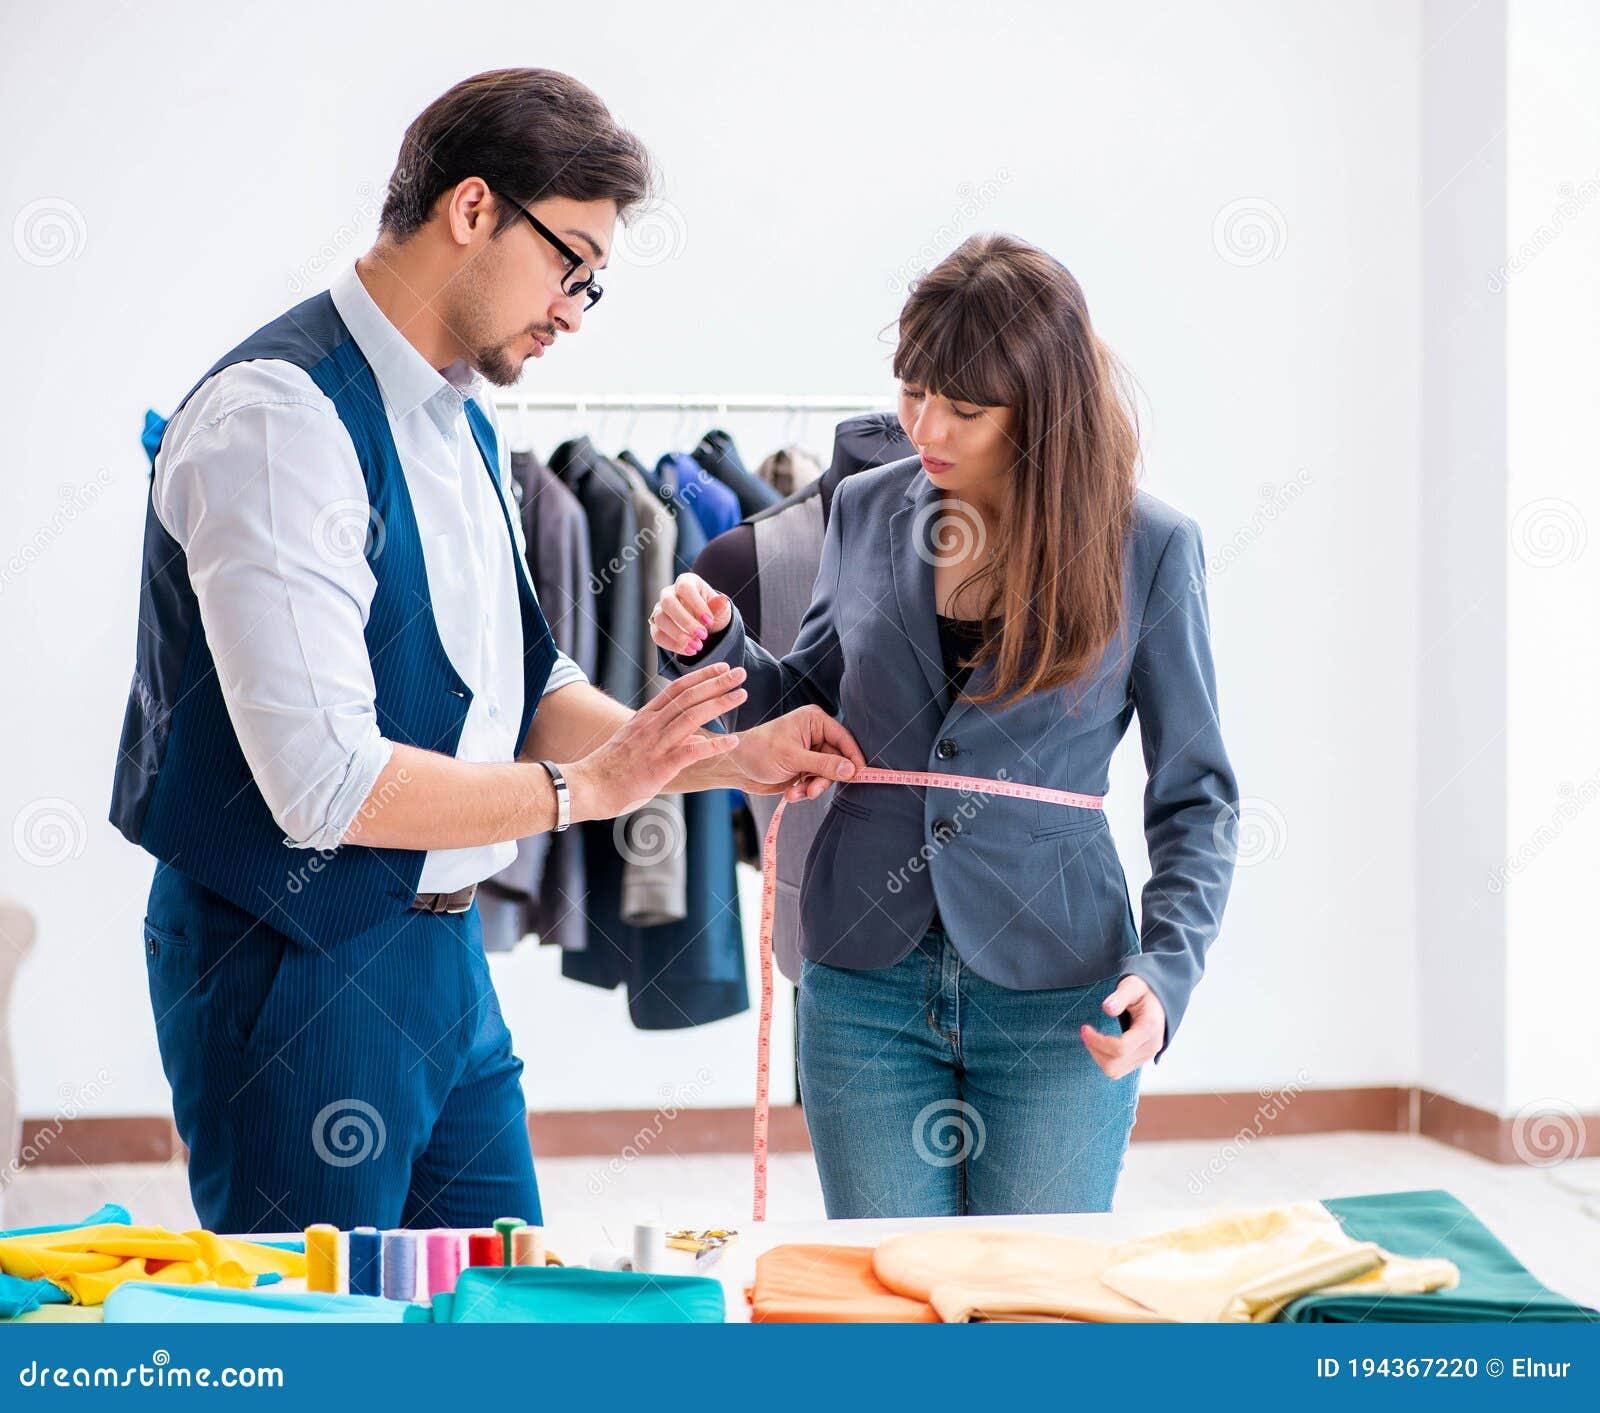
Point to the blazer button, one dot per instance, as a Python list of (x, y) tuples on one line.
[(946, 749), (943, 831)]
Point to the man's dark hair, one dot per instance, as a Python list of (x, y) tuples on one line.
[(528, 133)]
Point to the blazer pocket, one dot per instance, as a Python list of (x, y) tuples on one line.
[(847, 804), (1073, 821), (1095, 892)]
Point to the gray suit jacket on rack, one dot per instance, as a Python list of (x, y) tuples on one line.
[(1032, 894)]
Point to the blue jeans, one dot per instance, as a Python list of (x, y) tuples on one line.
[(932, 1092)]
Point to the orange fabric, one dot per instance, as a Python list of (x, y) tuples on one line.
[(818, 1284)]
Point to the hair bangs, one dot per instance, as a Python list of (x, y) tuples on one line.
[(949, 347)]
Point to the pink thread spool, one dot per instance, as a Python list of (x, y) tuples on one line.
[(444, 1261)]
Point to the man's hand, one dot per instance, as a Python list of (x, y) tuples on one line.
[(1121, 1054), (654, 745), (797, 756)]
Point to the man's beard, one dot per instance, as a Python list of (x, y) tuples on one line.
[(497, 364)]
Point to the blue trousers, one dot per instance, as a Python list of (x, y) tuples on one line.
[(932, 1092), (367, 1084)]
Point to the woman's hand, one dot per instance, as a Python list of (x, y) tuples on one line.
[(687, 612), (655, 744), (1121, 1054), (798, 755)]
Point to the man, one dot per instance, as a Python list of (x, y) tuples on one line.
[(340, 651)]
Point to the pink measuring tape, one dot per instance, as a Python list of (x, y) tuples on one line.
[(872, 775)]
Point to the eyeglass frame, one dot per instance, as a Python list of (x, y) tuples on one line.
[(567, 253)]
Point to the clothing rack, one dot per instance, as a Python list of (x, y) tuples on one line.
[(685, 402)]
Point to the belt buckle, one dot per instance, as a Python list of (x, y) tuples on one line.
[(466, 906)]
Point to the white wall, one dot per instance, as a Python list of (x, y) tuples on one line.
[(222, 167), (1509, 759), (1551, 290), (1461, 647)]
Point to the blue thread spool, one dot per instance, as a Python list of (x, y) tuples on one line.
[(365, 1261), (400, 1265)]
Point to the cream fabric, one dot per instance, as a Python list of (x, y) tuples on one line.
[(1232, 1268)]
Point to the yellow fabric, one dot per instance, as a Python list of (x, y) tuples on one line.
[(90, 1262), (1238, 1267), (1242, 1266)]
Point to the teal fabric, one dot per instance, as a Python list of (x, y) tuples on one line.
[(111, 1212), (1495, 1287), (147, 1302), (18, 1296), (575, 1295)]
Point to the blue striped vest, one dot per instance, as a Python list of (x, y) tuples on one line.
[(182, 788)]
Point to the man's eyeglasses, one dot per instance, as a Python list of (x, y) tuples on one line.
[(579, 278)]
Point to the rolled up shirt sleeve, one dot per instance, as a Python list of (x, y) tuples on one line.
[(563, 674), (259, 483)]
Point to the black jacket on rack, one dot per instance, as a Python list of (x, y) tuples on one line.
[(603, 492), (720, 459), (677, 973)]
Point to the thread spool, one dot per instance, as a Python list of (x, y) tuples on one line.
[(485, 1248), (400, 1265), (322, 1258), (650, 1252), (444, 1261), (505, 1226), (366, 1261), (527, 1246)]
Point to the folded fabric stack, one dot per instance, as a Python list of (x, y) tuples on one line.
[(1401, 1256), (1495, 1287), (82, 1264)]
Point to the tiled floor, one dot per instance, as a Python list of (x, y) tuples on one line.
[(1549, 1217)]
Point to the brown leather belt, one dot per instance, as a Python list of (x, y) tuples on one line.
[(457, 902)]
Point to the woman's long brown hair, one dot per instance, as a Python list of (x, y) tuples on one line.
[(1000, 323)]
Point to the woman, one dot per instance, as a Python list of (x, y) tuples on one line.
[(975, 1001)]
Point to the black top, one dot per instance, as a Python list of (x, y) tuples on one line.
[(959, 638)]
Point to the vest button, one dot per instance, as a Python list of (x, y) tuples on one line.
[(946, 749), (943, 831)]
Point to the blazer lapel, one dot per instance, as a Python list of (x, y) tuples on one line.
[(911, 555)]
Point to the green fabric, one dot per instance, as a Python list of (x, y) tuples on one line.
[(149, 1302), (1495, 1287), (574, 1294)]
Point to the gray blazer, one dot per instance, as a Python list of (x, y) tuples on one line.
[(1032, 894)]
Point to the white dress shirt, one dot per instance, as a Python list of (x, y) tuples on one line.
[(258, 481)]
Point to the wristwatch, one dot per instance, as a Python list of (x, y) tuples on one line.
[(563, 796)]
